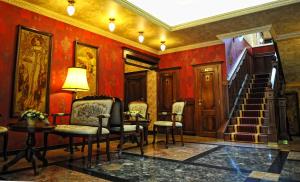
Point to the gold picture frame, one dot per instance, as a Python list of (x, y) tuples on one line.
[(32, 71), (86, 56)]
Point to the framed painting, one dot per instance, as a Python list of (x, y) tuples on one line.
[(86, 56), (32, 71)]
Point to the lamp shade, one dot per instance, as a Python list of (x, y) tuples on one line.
[(76, 80)]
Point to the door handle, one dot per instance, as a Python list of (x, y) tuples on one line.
[(200, 102)]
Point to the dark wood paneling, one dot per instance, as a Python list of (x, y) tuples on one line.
[(208, 92), (263, 63), (188, 118), (166, 90), (135, 87)]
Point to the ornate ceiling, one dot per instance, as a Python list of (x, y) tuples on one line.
[(96, 13)]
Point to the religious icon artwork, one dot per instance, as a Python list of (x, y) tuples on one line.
[(86, 56), (32, 71)]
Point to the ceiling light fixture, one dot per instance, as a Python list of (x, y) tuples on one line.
[(141, 37), (111, 25), (163, 45), (71, 7)]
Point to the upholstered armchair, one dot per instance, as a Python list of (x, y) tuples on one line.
[(4, 133), (173, 124), (118, 126), (141, 108), (89, 119)]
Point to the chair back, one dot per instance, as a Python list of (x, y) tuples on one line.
[(178, 109), (116, 119), (140, 106), (85, 111)]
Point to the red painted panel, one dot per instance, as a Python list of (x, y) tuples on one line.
[(263, 49)]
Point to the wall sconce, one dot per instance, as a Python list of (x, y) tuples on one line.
[(163, 45), (76, 80), (71, 7), (111, 25), (141, 37)]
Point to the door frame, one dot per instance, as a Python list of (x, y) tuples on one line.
[(198, 128)]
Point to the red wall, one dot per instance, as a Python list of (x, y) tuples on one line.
[(186, 59), (110, 66)]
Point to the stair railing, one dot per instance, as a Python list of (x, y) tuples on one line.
[(276, 102), (234, 88)]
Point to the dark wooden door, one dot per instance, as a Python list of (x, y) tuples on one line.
[(207, 99), (166, 91), (135, 87)]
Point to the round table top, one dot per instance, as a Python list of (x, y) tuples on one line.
[(22, 126)]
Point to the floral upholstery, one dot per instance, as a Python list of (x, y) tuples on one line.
[(177, 108), (78, 129), (140, 107), (86, 112), (3, 129), (127, 128), (167, 123)]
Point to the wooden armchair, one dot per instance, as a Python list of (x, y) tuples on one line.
[(174, 123), (89, 119), (118, 126), (4, 133)]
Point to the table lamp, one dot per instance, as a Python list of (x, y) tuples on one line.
[(76, 80)]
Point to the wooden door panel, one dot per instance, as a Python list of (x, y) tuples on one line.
[(207, 96), (135, 87)]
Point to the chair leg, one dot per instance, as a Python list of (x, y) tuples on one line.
[(83, 144), (154, 134), (98, 141), (5, 146), (173, 138), (107, 147), (142, 142), (71, 144), (181, 135), (45, 144), (121, 144), (146, 134), (90, 148), (167, 136)]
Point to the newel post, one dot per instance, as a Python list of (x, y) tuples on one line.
[(282, 119), (272, 129)]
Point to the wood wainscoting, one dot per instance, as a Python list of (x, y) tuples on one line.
[(208, 102)]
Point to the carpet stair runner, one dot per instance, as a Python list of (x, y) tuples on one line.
[(249, 123)]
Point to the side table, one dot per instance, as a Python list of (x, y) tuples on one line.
[(30, 152)]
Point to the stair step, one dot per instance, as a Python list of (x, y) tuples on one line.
[(251, 113), (260, 80), (248, 128), (252, 107), (248, 120), (257, 85), (255, 90), (253, 101), (258, 76), (255, 95), (246, 137)]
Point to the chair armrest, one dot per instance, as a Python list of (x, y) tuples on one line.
[(137, 116), (100, 117), (55, 115), (173, 118)]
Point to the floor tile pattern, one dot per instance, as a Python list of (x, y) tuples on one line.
[(240, 158)]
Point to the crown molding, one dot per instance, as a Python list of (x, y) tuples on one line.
[(189, 47), (245, 32), (68, 20), (224, 16), (291, 35)]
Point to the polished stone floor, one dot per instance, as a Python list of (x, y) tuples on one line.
[(201, 159)]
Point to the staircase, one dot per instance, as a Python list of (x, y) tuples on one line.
[(249, 123)]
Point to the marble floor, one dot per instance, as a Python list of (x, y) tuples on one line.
[(200, 159)]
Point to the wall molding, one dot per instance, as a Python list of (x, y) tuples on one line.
[(291, 35), (293, 84), (79, 24), (189, 47), (245, 32)]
